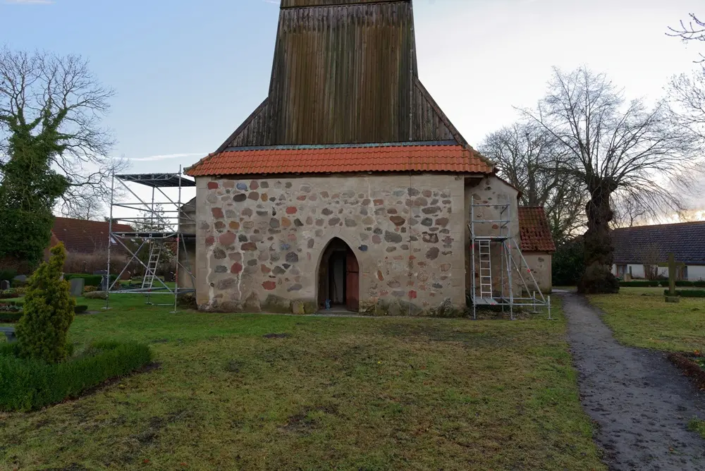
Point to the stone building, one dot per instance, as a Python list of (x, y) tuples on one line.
[(348, 186)]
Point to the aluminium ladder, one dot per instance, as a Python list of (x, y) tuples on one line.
[(154, 255), (485, 253)]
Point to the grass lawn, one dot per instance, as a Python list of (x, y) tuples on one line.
[(330, 393), (640, 317)]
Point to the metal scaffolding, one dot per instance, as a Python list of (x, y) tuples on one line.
[(491, 241), (158, 228)]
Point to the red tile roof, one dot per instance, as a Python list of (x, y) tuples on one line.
[(535, 230), (393, 158), (84, 236)]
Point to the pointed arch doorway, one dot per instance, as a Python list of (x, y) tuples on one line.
[(339, 277)]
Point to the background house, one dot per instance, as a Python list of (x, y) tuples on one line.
[(86, 244), (537, 245), (640, 250)]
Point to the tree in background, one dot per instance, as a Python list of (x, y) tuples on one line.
[(48, 312), (612, 146), (529, 158), (52, 149)]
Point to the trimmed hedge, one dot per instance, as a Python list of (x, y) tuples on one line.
[(662, 283), (27, 385), (91, 280), (688, 293), (10, 317), (640, 284)]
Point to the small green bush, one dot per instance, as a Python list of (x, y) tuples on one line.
[(18, 284), (27, 384), (48, 312), (688, 293), (7, 275), (80, 309)]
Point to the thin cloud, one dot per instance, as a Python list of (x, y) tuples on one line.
[(29, 2), (155, 158)]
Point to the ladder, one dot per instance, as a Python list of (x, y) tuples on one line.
[(485, 252), (155, 253)]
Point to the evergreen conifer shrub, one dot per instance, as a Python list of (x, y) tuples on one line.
[(48, 312)]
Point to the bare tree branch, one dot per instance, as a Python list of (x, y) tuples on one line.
[(690, 30)]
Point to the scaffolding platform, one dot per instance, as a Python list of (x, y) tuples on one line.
[(158, 224), (511, 284)]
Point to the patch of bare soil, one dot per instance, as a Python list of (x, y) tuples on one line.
[(690, 367)]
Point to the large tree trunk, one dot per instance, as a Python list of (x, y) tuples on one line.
[(599, 253)]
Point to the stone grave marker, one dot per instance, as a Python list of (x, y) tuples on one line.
[(4, 285), (672, 275), (77, 285)]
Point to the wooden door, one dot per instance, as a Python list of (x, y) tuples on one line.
[(352, 283)]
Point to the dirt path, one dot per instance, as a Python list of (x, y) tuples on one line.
[(639, 399)]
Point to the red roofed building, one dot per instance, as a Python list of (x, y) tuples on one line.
[(86, 237), (348, 185), (537, 245)]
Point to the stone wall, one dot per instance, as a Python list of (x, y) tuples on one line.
[(260, 242), (492, 191), (540, 264)]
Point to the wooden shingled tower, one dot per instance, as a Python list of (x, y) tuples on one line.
[(345, 72)]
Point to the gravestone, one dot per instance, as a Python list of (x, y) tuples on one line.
[(672, 274), (77, 285), (4, 285), (21, 278)]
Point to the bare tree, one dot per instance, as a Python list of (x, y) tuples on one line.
[(611, 145), (55, 102), (529, 158)]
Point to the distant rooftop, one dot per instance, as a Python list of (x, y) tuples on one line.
[(685, 240)]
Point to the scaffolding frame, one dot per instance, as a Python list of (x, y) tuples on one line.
[(513, 265), (159, 225)]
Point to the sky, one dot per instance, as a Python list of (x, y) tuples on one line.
[(187, 73)]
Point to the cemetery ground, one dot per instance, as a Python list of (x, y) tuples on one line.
[(288, 392), (639, 317)]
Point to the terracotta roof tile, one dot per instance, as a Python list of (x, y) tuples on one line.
[(396, 158), (535, 230), (83, 236)]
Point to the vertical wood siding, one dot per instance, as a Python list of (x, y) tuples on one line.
[(345, 73)]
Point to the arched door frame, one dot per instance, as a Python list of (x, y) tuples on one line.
[(319, 261)]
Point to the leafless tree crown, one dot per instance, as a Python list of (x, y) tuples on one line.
[(41, 91), (529, 158), (637, 150)]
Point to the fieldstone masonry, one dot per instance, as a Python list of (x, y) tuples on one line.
[(493, 191), (260, 241)]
